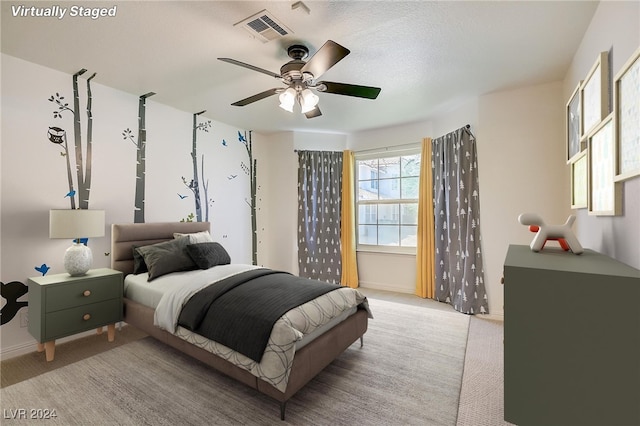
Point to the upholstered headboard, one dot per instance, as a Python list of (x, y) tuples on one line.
[(126, 235)]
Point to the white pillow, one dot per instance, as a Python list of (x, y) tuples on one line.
[(196, 237)]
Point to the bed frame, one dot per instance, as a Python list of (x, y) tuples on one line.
[(308, 361)]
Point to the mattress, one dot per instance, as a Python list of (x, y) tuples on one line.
[(138, 289)]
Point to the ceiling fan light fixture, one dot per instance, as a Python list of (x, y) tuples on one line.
[(308, 100), (287, 99)]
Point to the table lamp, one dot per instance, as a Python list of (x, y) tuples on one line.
[(76, 224)]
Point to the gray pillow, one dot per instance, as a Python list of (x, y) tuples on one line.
[(208, 255), (166, 257), (138, 262)]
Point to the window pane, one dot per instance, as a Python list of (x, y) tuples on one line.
[(409, 214), (389, 167), (389, 214), (408, 236), (410, 165), (367, 234), (368, 214), (389, 189), (410, 187), (368, 190), (388, 235)]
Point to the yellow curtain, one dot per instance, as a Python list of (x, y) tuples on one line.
[(425, 279), (348, 223)]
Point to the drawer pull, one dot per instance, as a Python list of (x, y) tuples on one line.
[(86, 293), (86, 317)]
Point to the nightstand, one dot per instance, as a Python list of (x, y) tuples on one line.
[(61, 305)]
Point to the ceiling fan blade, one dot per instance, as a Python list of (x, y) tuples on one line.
[(349, 89), (257, 97), (313, 113), (251, 67), (327, 56)]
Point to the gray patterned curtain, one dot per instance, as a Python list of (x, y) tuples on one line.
[(459, 271), (319, 197)]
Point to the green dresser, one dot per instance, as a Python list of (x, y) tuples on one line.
[(61, 305), (571, 339)]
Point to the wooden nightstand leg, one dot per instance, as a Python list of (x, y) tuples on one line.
[(40, 347), (50, 349), (99, 330), (111, 332)]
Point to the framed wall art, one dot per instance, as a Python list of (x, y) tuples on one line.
[(605, 195), (579, 182), (572, 120), (627, 110), (594, 95)]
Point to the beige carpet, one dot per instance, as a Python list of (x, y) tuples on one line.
[(409, 372), (482, 394)]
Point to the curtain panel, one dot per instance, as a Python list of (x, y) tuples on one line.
[(348, 224), (425, 278), (459, 271), (319, 210)]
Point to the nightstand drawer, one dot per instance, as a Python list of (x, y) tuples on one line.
[(84, 292), (75, 320)]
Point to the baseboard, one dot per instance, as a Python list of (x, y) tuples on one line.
[(495, 316), (384, 287)]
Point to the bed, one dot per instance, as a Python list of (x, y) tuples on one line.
[(309, 355)]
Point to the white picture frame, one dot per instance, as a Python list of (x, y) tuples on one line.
[(605, 195), (627, 110), (594, 95)]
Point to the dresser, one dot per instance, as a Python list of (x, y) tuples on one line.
[(571, 339), (61, 305)]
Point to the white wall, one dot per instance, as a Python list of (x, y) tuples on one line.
[(615, 27), (521, 168)]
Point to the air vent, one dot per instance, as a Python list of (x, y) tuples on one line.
[(264, 26)]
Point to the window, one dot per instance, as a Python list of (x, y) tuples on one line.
[(387, 200)]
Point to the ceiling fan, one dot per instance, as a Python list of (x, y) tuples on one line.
[(301, 78)]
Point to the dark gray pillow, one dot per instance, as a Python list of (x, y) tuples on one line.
[(138, 262), (166, 257), (208, 255)]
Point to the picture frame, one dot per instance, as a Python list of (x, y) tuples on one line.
[(605, 194), (627, 110), (594, 95), (579, 181), (572, 124)]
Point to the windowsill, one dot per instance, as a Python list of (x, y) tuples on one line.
[(410, 251)]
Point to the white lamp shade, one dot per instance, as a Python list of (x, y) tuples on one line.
[(81, 223), (308, 100), (287, 99)]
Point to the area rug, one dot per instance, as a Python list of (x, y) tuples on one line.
[(408, 372)]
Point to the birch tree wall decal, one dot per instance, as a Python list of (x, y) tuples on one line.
[(58, 135), (251, 171), (141, 158), (205, 187), (194, 184)]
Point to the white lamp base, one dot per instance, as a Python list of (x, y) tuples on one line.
[(77, 259)]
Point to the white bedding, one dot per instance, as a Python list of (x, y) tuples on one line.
[(168, 293)]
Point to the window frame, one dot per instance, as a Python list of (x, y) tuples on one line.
[(398, 151)]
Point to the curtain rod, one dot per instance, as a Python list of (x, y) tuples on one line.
[(393, 148)]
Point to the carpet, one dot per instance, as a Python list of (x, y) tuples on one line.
[(408, 372)]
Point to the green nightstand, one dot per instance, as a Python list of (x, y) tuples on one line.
[(61, 305)]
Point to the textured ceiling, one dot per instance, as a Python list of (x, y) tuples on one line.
[(426, 56)]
